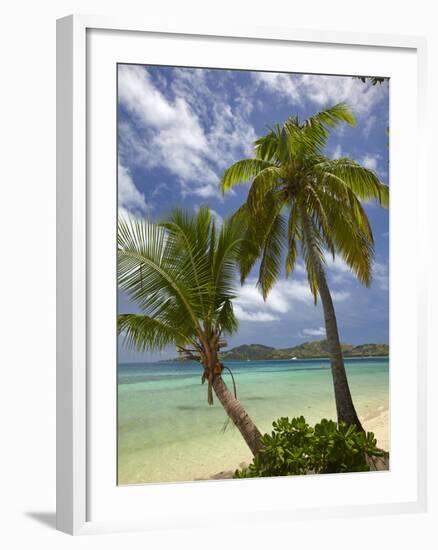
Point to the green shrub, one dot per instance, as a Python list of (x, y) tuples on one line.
[(295, 448)]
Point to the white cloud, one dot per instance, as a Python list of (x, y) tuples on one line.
[(370, 162), (285, 297), (320, 331), (300, 268), (340, 273), (203, 191), (337, 152), (283, 84), (295, 290), (374, 162), (130, 198), (161, 187), (339, 270), (191, 131), (255, 316), (245, 101), (381, 275), (340, 295), (324, 90), (250, 299), (368, 125)]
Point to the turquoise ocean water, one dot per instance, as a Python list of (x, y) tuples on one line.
[(168, 432)]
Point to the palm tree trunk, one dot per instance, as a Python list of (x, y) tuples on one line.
[(238, 415), (344, 403)]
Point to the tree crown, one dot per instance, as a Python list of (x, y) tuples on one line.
[(293, 184)]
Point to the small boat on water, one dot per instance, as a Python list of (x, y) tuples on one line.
[(294, 358)]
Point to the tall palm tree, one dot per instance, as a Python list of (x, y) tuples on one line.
[(300, 199), (182, 275)]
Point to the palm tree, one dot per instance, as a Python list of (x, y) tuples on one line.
[(300, 199), (182, 275)]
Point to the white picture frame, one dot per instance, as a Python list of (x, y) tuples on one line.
[(75, 217)]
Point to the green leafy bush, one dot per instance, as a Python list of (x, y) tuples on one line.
[(295, 448)]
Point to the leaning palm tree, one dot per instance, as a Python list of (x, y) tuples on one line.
[(301, 200), (182, 275)]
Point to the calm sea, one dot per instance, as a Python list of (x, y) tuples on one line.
[(168, 432)]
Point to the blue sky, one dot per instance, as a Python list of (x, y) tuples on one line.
[(178, 130)]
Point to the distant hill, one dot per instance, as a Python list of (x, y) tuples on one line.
[(307, 350), (249, 351)]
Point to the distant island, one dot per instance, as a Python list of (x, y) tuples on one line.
[(308, 350)]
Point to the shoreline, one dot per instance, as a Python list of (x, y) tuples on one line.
[(376, 422), (279, 359), (168, 435)]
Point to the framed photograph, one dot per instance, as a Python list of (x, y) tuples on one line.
[(240, 318)]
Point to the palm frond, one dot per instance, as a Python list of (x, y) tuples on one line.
[(241, 172), (182, 275), (224, 264), (142, 333), (332, 117), (264, 183), (227, 319), (271, 255), (311, 136), (362, 181), (312, 250), (153, 273), (271, 147), (351, 235), (193, 239), (292, 239)]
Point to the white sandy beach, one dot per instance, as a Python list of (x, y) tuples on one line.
[(224, 460), (379, 425)]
